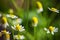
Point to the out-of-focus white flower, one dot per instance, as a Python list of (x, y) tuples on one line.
[(6, 33), (21, 37), (18, 27), (17, 21), (54, 10), (5, 23), (11, 15), (40, 8), (34, 21), (51, 30)]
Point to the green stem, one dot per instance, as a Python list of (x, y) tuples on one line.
[(13, 34), (16, 6), (35, 34)]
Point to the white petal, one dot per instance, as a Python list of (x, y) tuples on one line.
[(15, 17), (57, 11), (52, 33), (19, 37), (56, 30), (45, 29), (34, 24), (15, 37), (48, 31), (5, 25), (8, 15), (13, 27), (21, 30), (22, 37), (19, 20), (11, 17), (8, 32), (40, 10), (49, 8), (23, 27)]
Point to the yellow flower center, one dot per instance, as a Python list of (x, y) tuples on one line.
[(18, 27), (11, 11), (51, 28), (4, 31), (7, 36), (4, 19), (39, 4), (35, 20), (11, 15), (53, 9)]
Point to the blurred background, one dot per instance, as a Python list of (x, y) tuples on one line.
[(26, 9)]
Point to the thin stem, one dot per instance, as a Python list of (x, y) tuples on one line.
[(35, 33)]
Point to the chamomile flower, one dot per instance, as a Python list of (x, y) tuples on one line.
[(5, 23), (6, 33), (17, 21), (18, 27), (34, 21), (11, 15), (40, 7), (54, 10), (51, 30), (21, 37)]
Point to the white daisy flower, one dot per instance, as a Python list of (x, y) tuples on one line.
[(21, 37), (54, 10), (11, 16), (18, 27), (5, 23), (40, 10), (6, 34), (40, 7), (17, 21), (34, 21), (51, 30)]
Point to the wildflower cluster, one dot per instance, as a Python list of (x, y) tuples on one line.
[(17, 26), (12, 24)]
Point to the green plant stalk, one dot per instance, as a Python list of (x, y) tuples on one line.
[(28, 35), (13, 34), (16, 6), (18, 35), (35, 33)]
